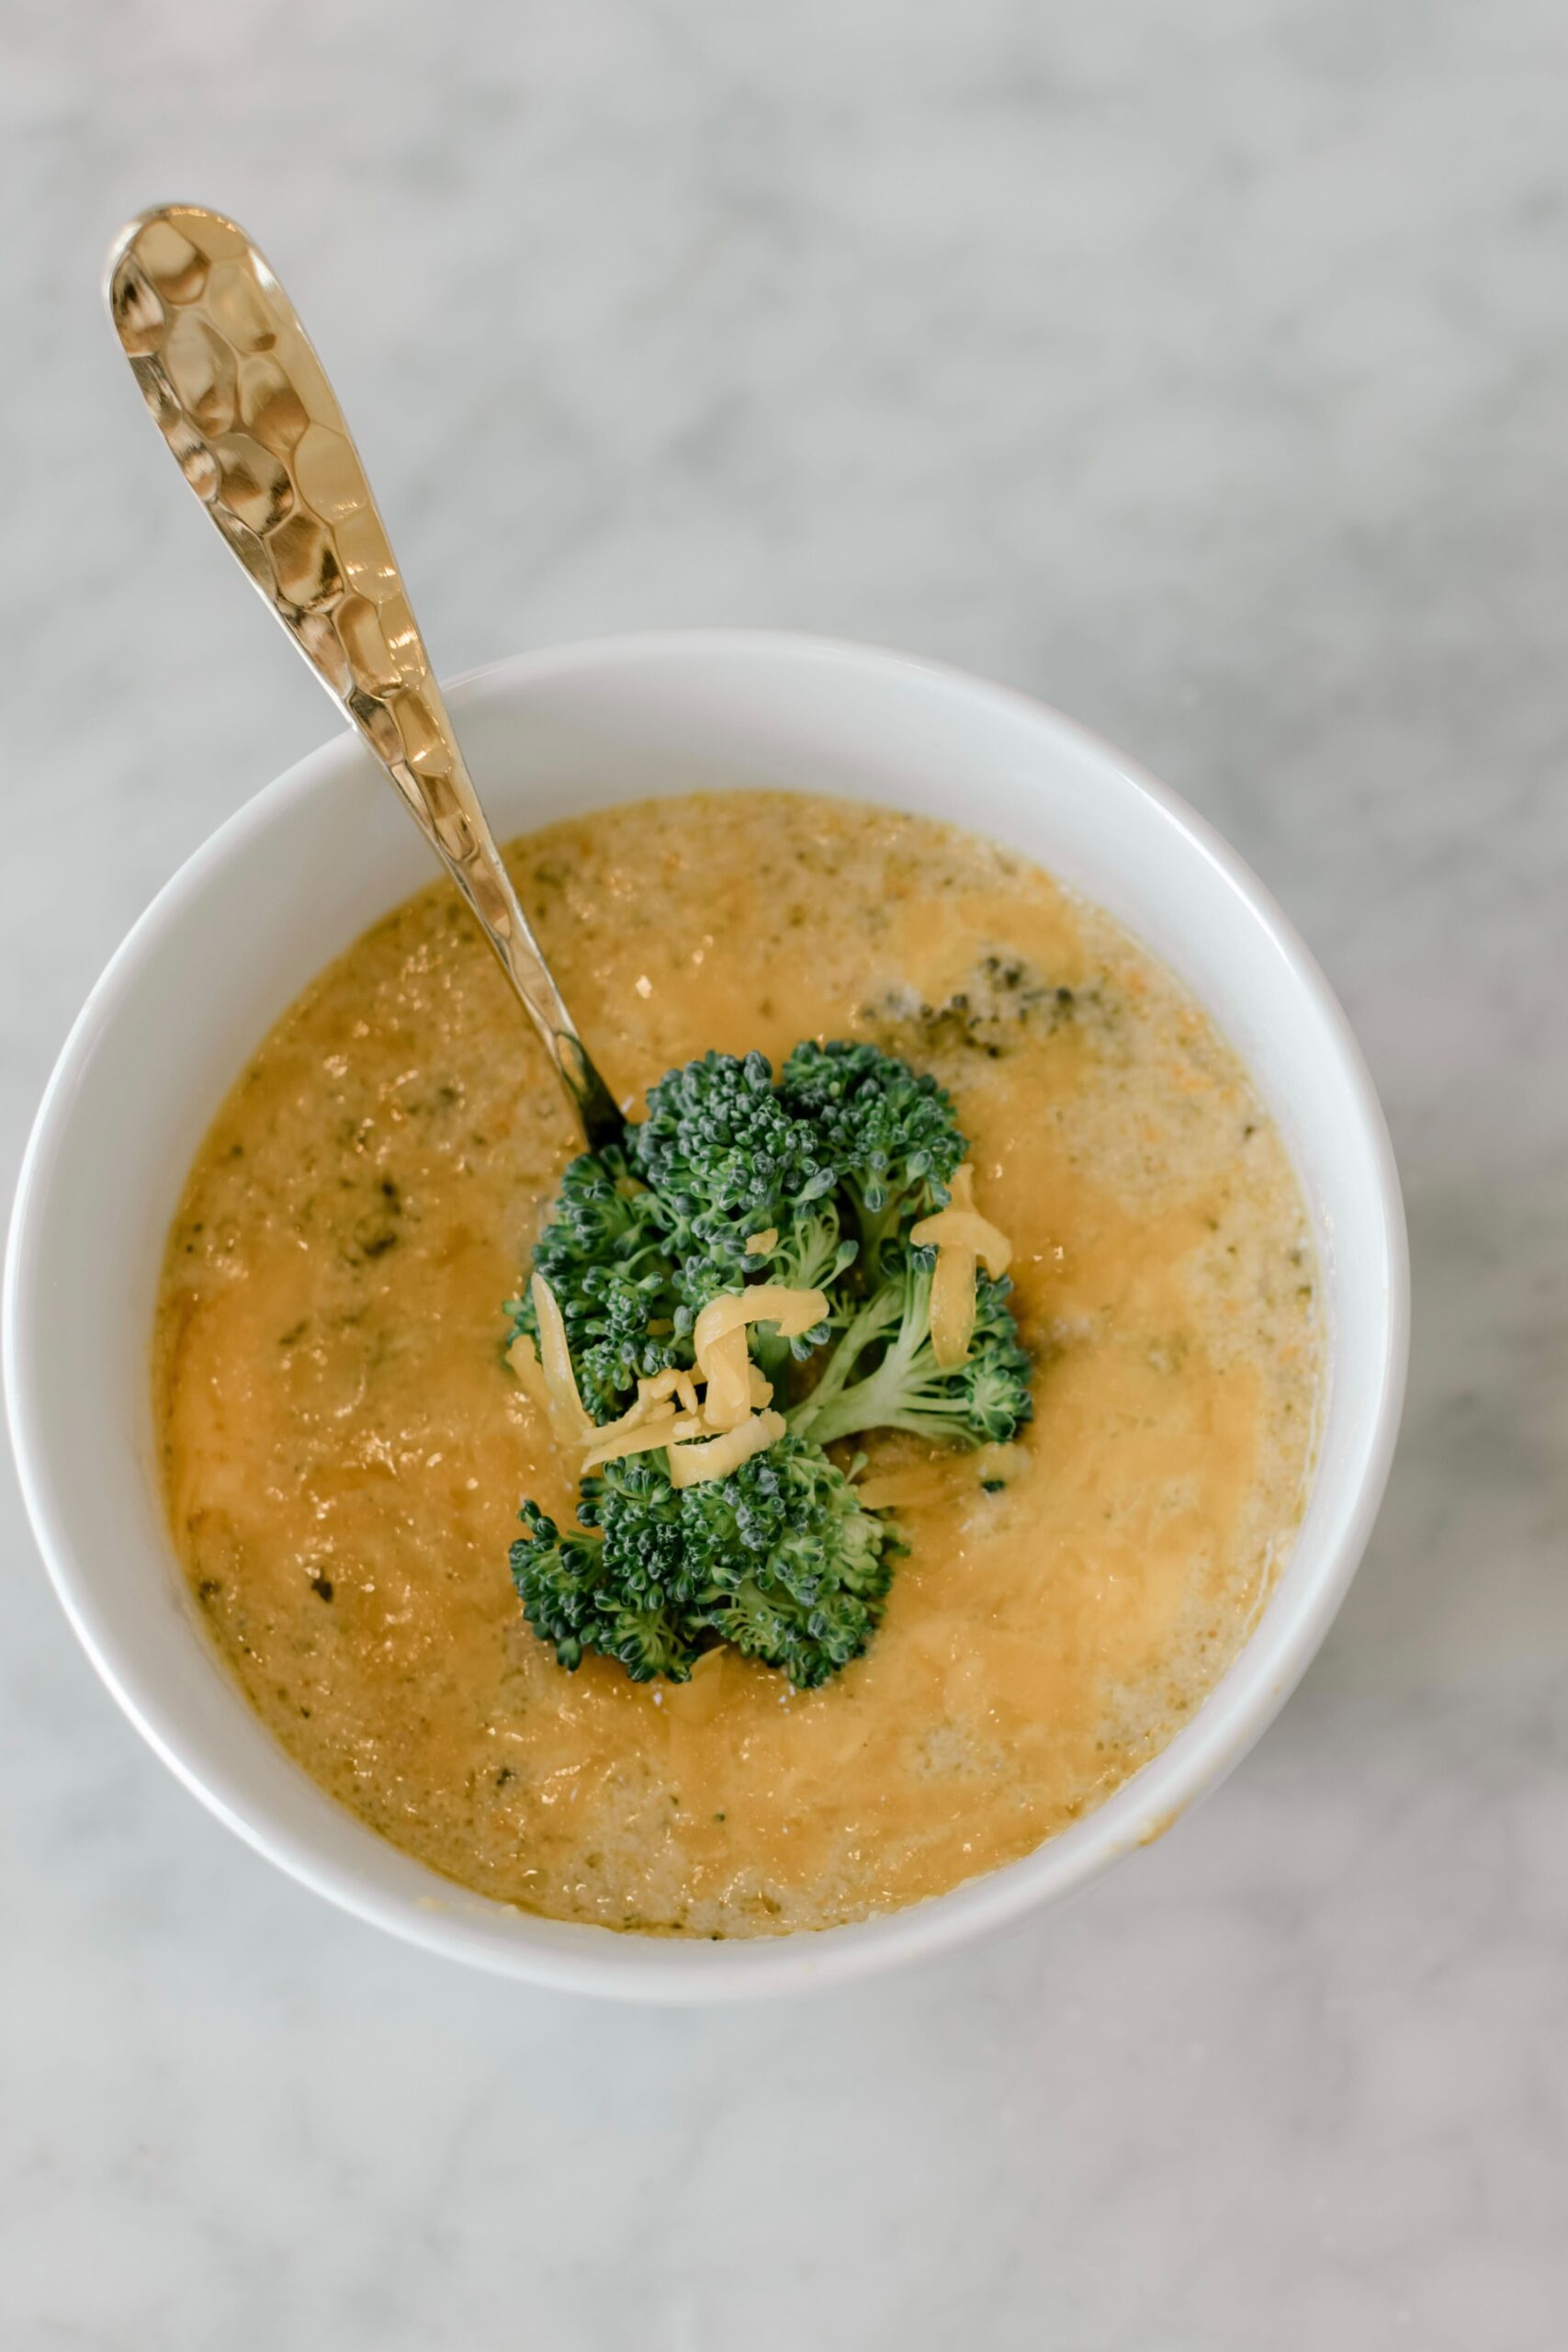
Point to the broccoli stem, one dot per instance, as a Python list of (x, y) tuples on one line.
[(774, 1360), (878, 1226), (825, 1403)]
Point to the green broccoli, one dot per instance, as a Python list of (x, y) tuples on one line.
[(888, 1134), (778, 1559), (624, 1590), (842, 1158), (728, 1161), (811, 1252)]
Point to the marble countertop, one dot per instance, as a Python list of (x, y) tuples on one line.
[(1204, 368)]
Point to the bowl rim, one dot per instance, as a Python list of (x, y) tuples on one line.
[(1233, 1715)]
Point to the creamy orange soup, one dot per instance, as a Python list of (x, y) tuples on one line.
[(344, 1448)]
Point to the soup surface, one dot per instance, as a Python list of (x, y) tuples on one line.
[(344, 1448)]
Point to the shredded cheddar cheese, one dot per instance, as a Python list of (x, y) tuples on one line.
[(794, 1311), (664, 1385), (735, 1386), (524, 1358), (965, 1229), (617, 1441), (692, 1466), (569, 1417), (952, 1307), (962, 1238), (726, 1367)]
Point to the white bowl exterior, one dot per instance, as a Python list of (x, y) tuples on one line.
[(261, 909)]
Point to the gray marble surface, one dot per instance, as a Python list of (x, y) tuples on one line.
[(1204, 367)]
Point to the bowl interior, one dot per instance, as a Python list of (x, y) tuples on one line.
[(301, 870)]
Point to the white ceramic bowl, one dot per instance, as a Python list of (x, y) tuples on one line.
[(299, 873)]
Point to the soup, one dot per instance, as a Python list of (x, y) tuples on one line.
[(344, 1448)]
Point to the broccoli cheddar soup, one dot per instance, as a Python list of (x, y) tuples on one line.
[(346, 1441)]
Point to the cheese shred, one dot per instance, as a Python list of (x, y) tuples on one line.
[(794, 1311), (727, 1372), (617, 1441), (524, 1358), (952, 1307), (694, 1465), (963, 1240), (965, 1229), (555, 1387)]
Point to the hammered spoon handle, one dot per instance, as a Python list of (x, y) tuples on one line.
[(243, 402)]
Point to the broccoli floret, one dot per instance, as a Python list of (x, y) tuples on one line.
[(605, 1255), (797, 1572), (888, 1134), (727, 1161), (811, 1252), (884, 1375), (721, 1150), (778, 1559), (620, 1597)]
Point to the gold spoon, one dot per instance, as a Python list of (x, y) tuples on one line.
[(244, 405)]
